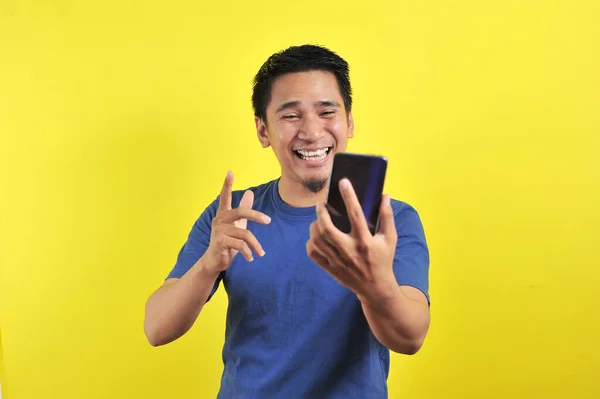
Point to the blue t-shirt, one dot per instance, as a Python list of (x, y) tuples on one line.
[(292, 330)]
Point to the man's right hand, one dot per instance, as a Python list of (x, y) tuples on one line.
[(229, 234)]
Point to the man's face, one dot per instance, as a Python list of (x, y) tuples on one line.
[(306, 125)]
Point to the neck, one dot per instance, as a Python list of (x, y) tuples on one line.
[(296, 194)]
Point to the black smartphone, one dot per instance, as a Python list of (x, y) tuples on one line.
[(367, 176)]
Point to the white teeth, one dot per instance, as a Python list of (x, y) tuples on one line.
[(313, 155)]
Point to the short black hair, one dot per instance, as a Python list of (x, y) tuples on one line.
[(304, 58)]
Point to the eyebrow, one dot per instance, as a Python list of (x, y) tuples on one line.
[(292, 104)]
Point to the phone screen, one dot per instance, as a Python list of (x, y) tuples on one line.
[(367, 175)]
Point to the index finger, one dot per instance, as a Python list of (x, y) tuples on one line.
[(225, 198), (354, 209)]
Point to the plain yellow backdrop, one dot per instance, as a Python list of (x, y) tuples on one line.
[(119, 120)]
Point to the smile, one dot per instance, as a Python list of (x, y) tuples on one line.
[(313, 155)]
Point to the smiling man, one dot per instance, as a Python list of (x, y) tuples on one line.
[(313, 312)]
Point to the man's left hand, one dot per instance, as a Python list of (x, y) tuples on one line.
[(360, 261)]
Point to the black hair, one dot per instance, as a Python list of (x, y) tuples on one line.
[(302, 58)]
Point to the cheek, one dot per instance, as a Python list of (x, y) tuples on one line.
[(338, 128), (281, 137)]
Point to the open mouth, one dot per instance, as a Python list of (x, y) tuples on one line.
[(313, 155)]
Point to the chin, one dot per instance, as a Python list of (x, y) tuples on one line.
[(315, 185), (312, 166)]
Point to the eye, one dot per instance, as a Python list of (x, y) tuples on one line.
[(290, 116), (328, 113)]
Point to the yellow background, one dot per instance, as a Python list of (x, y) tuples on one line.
[(119, 120)]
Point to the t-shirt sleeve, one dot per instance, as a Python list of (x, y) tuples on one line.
[(411, 262), (195, 246)]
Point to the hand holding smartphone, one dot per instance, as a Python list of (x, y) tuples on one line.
[(366, 173)]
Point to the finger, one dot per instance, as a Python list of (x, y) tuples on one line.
[(239, 245), (314, 231), (327, 229), (323, 244), (355, 211), (245, 213), (225, 197), (246, 236), (247, 199), (316, 256), (246, 202), (386, 215)]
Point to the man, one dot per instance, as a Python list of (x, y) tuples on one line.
[(312, 312)]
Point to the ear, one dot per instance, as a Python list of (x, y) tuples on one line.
[(262, 133), (350, 125)]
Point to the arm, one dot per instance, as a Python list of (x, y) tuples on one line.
[(399, 313), (388, 272), (174, 307), (399, 319), (216, 238)]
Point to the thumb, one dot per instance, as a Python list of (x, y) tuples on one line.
[(386, 215), (247, 199)]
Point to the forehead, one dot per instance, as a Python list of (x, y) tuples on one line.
[(308, 86)]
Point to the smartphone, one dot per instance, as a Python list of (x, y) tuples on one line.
[(367, 176)]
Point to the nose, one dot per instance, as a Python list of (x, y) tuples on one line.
[(311, 129)]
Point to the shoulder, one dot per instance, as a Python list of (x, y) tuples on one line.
[(406, 216), (402, 208)]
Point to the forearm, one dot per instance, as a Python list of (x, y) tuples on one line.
[(173, 308), (397, 318)]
